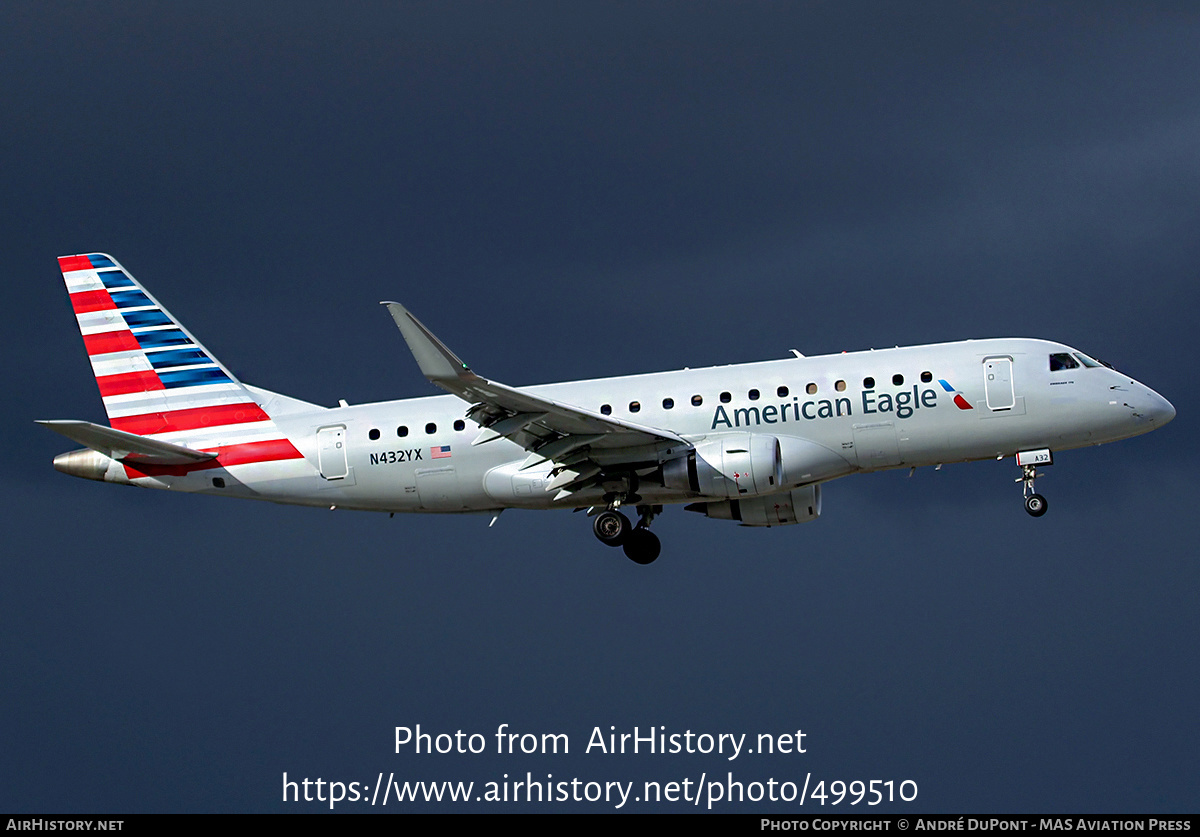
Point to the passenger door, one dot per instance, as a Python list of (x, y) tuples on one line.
[(331, 452), (998, 383)]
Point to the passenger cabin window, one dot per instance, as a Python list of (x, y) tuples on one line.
[(811, 389), (634, 406), (840, 386), (373, 434), (1062, 361), (668, 403), (868, 383), (898, 380), (697, 400), (401, 431), (460, 424), (431, 428), (782, 392), (726, 398), (606, 409), (926, 377), (752, 395)]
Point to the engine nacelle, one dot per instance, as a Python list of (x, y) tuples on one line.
[(799, 505), (734, 465)]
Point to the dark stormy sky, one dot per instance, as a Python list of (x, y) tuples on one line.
[(578, 190)]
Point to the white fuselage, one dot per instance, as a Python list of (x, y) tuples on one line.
[(828, 417)]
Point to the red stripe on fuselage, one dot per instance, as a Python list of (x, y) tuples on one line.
[(66, 263), (217, 415), (269, 451), (110, 341), (273, 450), (128, 382), (85, 301)]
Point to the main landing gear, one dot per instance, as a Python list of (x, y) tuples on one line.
[(614, 529)]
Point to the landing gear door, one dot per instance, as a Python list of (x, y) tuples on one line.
[(876, 445), (331, 452), (998, 383), (438, 489)]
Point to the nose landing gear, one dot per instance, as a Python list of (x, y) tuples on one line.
[(1035, 503)]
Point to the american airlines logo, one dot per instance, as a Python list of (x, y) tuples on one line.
[(959, 401)]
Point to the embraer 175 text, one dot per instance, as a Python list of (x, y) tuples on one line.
[(750, 442)]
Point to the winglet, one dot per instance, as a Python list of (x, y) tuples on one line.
[(437, 362), (527, 418)]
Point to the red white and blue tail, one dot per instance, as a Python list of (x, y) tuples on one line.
[(157, 380)]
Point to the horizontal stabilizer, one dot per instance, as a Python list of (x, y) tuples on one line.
[(126, 447)]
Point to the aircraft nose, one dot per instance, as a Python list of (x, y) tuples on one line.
[(1152, 408), (1161, 410)]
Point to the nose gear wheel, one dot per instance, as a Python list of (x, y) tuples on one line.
[(1035, 503)]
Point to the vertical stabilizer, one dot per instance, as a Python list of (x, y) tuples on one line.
[(155, 378)]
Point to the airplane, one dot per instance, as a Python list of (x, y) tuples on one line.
[(750, 442)]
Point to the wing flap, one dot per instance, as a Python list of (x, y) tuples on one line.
[(555, 451), (573, 477)]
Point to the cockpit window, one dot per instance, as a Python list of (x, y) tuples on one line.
[(1062, 361), (1087, 361)]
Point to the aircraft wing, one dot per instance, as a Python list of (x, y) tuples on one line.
[(126, 447), (577, 439)]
